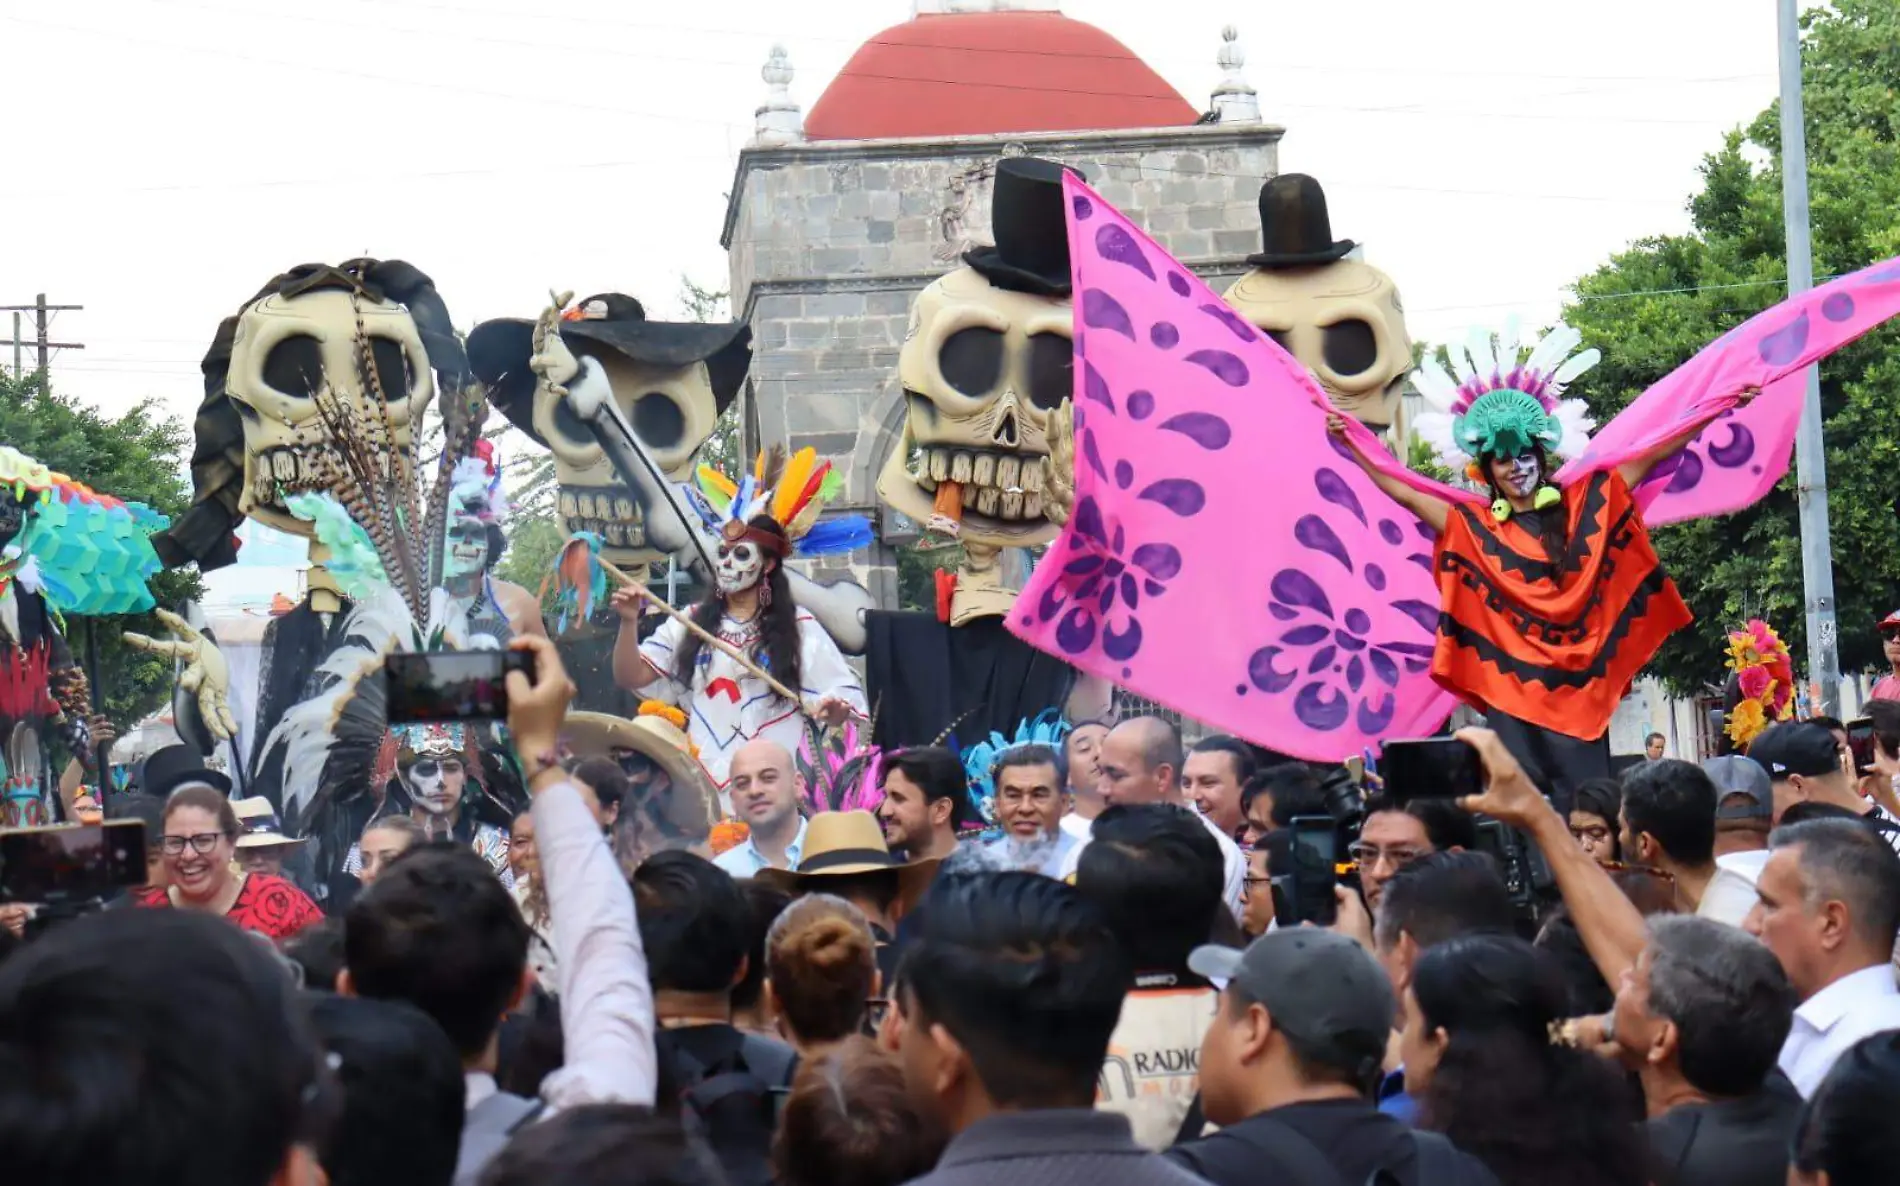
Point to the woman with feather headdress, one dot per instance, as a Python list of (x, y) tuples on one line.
[(1551, 598), (760, 521)]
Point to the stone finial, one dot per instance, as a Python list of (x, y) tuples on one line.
[(1235, 100), (779, 120)]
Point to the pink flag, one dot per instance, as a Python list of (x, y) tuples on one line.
[(1221, 558)]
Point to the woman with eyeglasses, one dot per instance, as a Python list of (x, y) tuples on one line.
[(1595, 813), (198, 845)]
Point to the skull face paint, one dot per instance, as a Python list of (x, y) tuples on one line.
[(12, 518), (1345, 324), (740, 566), (435, 784), (289, 352), (467, 547), (1518, 476), (983, 369)]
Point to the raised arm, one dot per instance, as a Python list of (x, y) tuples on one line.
[(1433, 510), (1609, 924), (607, 1018), (1637, 468), (631, 669)]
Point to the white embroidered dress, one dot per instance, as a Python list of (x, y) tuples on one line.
[(728, 706)]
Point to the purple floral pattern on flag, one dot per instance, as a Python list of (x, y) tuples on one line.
[(1216, 560)]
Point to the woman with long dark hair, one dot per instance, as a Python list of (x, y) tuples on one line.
[(1482, 1057), (727, 704)]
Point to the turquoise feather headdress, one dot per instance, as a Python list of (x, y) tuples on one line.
[(979, 760)]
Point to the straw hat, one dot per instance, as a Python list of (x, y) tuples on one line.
[(651, 735), (258, 826), (840, 843)]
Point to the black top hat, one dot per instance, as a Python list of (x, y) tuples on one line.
[(1294, 225), (165, 770), (498, 351), (1031, 232)]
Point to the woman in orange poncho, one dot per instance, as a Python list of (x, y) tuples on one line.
[(1551, 599)]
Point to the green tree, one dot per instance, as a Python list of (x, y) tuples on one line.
[(1653, 306), (138, 456)]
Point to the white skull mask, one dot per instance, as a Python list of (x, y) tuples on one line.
[(435, 784), (289, 352), (466, 551), (672, 409), (983, 368), (1345, 324), (740, 566)]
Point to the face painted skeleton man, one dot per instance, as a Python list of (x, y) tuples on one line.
[(986, 363), (1341, 318), (432, 768)]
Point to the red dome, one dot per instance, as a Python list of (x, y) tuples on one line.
[(977, 73)]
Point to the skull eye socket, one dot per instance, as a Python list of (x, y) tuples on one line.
[(658, 420), (294, 366), (1051, 370), (972, 360), (1350, 347), (392, 368)]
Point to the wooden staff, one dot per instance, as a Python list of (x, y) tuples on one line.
[(725, 648)]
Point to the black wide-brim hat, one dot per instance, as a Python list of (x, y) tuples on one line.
[(499, 350), (1294, 225), (1032, 234), (167, 769)]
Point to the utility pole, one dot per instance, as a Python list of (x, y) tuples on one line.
[(42, 325), (1817, 562)]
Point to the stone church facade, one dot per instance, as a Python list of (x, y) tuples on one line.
[(830, 239)]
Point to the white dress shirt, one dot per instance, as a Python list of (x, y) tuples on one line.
[(1731, 892), (747, 861), (1828, 1023), (1234, 886), (607, 1019)]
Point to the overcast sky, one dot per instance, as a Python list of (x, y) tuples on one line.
[(168, 156)]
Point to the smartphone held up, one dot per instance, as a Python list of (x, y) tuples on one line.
[(452, 685)]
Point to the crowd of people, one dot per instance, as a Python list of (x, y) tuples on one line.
[(1685, 977)]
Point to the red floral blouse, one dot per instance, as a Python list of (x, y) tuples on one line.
[(269, 905)]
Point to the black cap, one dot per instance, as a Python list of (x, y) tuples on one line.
[(165, 770), (1742, 788), (1319, 987), (1030, 227), (1796, 747)]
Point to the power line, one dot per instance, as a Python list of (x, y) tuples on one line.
[(42, 322)]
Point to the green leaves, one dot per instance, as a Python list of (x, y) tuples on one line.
[(1734, 263)]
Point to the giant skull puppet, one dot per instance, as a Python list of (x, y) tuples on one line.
[(671, 381), (1340, 317), (988, 359)]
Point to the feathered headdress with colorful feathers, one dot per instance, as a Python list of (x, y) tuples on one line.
[(1501, 406), (843, 775), (85, 552), (793, 491), (979, 760)]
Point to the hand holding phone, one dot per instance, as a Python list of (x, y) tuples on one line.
[(1309, 895), (425, 686), (1509, 794), (1431, 768)]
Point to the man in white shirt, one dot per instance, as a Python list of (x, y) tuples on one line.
[(1082, 749), (1829, 909), (1029, 799), (1140, 762), (766, 788)]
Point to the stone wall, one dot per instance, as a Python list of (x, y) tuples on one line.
[(829, 242)]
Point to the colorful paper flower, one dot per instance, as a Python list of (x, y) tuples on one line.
[(1765, 676), (727, 835)]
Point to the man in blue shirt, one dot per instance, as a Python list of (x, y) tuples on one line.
[(765, 789)]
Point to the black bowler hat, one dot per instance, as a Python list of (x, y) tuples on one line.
[(1031, 232), (1294, 225), (499, 350), (165, 770)]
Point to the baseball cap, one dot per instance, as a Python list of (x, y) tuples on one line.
[(1890, 621), (1734, 776), (1321, 988), (1796, 747)]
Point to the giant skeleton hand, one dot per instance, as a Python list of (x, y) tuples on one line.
[(206, 678)]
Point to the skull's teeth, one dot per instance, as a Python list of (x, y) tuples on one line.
[(960, 467), (1007, 471), (1032, 474), (1012, 504), (968, 494), (1032, 506), (983, 469), (986, 500), (939, 465)]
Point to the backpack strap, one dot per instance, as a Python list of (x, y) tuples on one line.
[(1192, 1124), (1309, 1166), (1441, 1163)]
